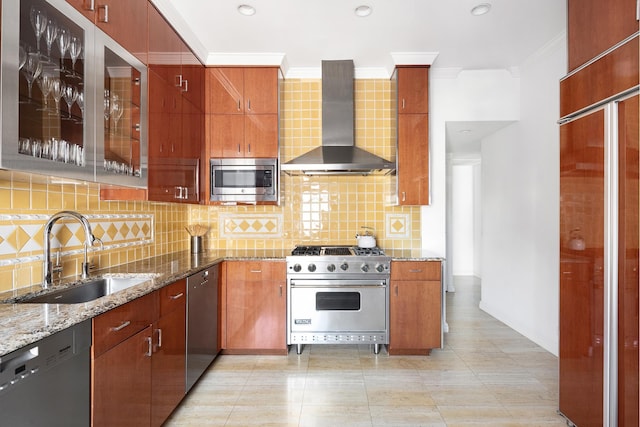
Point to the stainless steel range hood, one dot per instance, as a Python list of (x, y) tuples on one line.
[(338, 154)]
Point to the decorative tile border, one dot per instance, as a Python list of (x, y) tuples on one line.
[(398, 225), (249, 226), (21, 236)]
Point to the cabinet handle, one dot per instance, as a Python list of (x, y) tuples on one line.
[(174, 297), (256, 271), (106, 13), (92, 5), (403, 103), (186, 193), (159, 337), (417, 270), (404, 196), (136, 127), (177, 192), (238, 148), (179, 80), (186, 86), (638, 10), (396, 290), (249, 148), (280, 291), (249, 104), (239, 106), (121, 327), (150, 348)]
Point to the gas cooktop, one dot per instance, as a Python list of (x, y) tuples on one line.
[(339, 250)]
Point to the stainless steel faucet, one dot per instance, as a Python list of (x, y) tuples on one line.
[(90, 239)]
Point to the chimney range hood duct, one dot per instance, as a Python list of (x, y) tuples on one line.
[(338, 154)]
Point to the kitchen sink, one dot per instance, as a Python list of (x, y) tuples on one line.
[(87, 291)]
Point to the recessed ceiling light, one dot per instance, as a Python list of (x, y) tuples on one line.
[(481, 9), (363, 11), (246, 10)]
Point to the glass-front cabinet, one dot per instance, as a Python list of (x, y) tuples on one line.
[(73, 102)]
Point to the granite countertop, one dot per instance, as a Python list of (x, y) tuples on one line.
[(23, 324)]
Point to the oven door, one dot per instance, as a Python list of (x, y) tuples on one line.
[(337, 306)]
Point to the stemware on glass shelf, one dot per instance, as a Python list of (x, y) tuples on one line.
[(75, 49), (64, 39), (44, 83), (32, 69), (22, 57), (38, 19), (56, 92), (69, 94), (80, 102), (50, 34), (107, 108), (116, 111)]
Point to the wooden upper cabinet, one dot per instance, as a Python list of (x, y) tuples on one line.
[(595, 25), (413, 134), (125, 21), (413, 90), (236, 90), (413, 159)]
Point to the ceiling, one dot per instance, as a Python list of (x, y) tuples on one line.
[(297, 35)]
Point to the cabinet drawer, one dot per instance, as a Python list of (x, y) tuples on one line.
[(173, 296), (118, 324), (415, 270), (254, 271)]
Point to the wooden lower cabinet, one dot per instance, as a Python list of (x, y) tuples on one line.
[(168, 381), (138, 360), (415, 307), (255, 307), (122, 383)]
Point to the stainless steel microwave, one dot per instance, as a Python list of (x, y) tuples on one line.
[(244, 180)]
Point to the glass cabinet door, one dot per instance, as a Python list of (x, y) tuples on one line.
[(121, 154), (45, 89)]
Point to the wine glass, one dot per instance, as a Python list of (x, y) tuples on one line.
[(80, 102), (50, 34), (69, 94), (75, 48), (44, 83), (56, 92), (22, 57), (64, 38), (116, 111), (107, 108), (38, 20), (32, 69)]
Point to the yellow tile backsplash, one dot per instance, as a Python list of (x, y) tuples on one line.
[(313, 210)]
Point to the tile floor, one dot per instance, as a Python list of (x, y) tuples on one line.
[(486, 375)]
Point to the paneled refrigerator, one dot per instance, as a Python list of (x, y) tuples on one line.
[(599, 234)]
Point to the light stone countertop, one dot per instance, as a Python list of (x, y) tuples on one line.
[(23, 324)]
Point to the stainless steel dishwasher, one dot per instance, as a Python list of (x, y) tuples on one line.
[(48, 383), (202, 322)]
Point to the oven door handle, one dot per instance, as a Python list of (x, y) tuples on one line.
[(319, 283)]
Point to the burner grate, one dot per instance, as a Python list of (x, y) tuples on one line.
[(337, 251), (306, 250)]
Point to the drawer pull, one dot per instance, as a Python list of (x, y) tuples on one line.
[(396, 290), (149, 352), (92, 5), (174, 297), (121, 327), (256, 271), (417, 270), (159, 338), (104, 20)]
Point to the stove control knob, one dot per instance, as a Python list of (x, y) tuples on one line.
[(344, 266), (297, 268), (379, 268), (311, 267), (331, 267), (364, 267)]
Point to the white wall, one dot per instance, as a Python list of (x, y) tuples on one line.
[(481, 95), (518, 260), (462, 220), (520, 209)]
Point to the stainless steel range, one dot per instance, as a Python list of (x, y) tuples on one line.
[(337, 295)]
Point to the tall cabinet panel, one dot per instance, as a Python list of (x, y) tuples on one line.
[(599, 236)]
